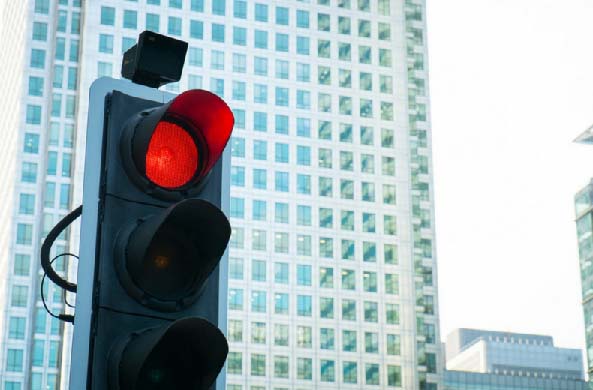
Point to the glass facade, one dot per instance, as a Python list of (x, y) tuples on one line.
[(584, 221), (457, 380), (332, 270)]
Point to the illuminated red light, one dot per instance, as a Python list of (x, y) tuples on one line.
[(176, 145), (172, 156)]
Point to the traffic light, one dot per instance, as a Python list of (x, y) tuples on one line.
[(158, 234)]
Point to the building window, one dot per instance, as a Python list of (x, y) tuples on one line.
[(258, 270), (218, 7), (130, 19), (237, 238), (282, 16), (281, 242), (195, 56), (281, 273), (14, 360), (326, 308), (259, 210), (261, 12), (304, 305), (281, 181), (281, 42), (235, 330), (258, 301), (281, 335), (372, 374), (392, 313), (302, 19), (326, 338), (16, 328), (153, 22), (260, 66), (303, 275), (258, 240), (235, 363), (281, 366), (281, 152), (240, 9), (281, 303), (21, 265), (304, 215), (24, 234), (348, 310), (344, 25), (39, 31), (37, 58), (174, 26), (19, 296), (394, 376), (42, 6), (26, 204), (304, 369), (259, 179), (29, 172), (9, 385), (326, 247), (106, 43), (371, 311), (350, 372), (235, 299), (236, 268), (327, 371), (326, 277), (196, 5), (304, 245), (304, 337), (258, 364), (393, 344)]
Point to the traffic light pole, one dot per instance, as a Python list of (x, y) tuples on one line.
[(88, 236)]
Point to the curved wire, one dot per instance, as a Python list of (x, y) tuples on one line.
[(46, 246), (62, 317)]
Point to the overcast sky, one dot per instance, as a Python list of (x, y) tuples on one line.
[(511, 87)]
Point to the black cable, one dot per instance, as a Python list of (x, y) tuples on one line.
[(62, 317), (66, 292), (66, 301), (46, 246)]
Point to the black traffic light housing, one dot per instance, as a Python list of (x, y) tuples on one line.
[(159, 243)]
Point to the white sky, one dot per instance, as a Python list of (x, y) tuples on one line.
[(511, 87)]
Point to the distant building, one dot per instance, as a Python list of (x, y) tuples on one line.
[(583, 202), (584, 220), (479, 359), (460, 380)]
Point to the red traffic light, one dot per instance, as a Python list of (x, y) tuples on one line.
[(172, 156), (173, 147)]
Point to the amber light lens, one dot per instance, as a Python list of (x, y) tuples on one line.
[(172, 156)]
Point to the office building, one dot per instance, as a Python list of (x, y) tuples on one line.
[(332, 270), (583, 202), (478, 359)]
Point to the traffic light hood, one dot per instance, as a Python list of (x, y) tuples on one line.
[(187, 354), (169, 256)]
